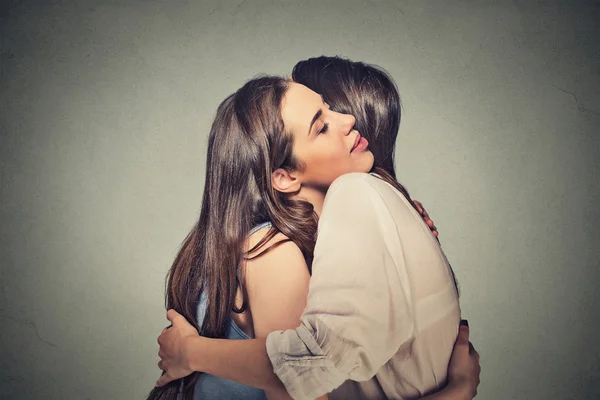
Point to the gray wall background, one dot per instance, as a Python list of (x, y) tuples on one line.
[(105, 110)]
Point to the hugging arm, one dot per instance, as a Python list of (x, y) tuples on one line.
[(246, 361)]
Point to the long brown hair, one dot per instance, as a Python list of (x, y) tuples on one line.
[(247, 143)]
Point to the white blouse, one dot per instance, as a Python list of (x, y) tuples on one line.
[(382, 308)]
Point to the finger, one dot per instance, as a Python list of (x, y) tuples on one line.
[(463, 335), (171, 315), (161, 337), (162, 334), (419, 206), (175, 318)]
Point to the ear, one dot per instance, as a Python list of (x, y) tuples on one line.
[(284, 181)]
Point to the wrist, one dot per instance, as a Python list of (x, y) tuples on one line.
[(192, 348), (460, 389)]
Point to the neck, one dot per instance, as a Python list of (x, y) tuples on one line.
[(314, 196)]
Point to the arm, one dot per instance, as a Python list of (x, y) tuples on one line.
[(182, 352)]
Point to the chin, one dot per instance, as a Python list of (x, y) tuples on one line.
[(370, 162)]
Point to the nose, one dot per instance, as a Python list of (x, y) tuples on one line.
[(348, 122)]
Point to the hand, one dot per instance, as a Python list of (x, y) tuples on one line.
[(464, 369), (172, 351), (426, 218)]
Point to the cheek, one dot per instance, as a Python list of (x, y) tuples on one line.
[(335, 158), (326, 161), (321, 167)]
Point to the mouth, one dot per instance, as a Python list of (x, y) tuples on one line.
[(356, 142)]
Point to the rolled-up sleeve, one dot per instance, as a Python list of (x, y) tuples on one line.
[(358, 312)]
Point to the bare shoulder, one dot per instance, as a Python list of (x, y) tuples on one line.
[(256, 237), (278, 256)]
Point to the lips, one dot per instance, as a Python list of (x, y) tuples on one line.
[(356, 141)]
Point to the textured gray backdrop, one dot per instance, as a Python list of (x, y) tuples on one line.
[(105, 110)]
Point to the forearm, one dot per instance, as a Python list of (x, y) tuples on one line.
[(243, 361)]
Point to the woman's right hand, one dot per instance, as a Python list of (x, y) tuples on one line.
[(464, 368)]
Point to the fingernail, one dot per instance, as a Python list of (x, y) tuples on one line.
[(464, 322)]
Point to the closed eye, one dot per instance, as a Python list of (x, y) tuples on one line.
[(324, 128)]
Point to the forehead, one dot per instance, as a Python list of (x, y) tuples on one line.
[(299, 105)]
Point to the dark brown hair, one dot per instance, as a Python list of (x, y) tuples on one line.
[(247, 143)]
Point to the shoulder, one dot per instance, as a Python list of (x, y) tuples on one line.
[(257, 236), (276, 282), (358, 189), (277, 254), (359, 184), (353, 179)]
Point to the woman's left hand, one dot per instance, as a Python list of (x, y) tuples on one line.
[(172, 352), (426, 218)]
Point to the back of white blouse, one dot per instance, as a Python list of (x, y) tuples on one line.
[(382, 307)]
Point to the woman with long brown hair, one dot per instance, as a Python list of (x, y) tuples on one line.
[(275, 148)]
